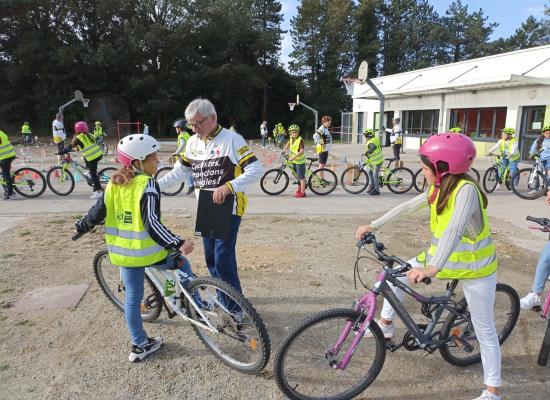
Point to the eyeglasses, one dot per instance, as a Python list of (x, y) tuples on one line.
[(198, 123)]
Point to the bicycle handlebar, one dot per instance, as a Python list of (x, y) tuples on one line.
[(379, 248), (78, 235), (544, 222)]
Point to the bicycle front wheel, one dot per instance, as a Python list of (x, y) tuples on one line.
[(490, 180), (174, 190), (60, 181), (29, 182), (322, 181), (274, 182), (529, 184), (545, 347), (420, 183), (110, 281), (474, 173), (463, 348), (105, 174), (242, 341), (304, 365), (400, 180), (354, 180)]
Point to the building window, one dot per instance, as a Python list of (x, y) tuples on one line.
[(420, 122), (481, 123)]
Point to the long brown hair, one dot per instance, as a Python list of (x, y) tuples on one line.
[(123, 176), (449, 183)]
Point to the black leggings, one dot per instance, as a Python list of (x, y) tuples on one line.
[(6, 175), (92, 166), (396, 151)]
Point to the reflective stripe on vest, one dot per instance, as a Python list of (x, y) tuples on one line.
[(26, 130), (376, 157), (294, 149), (6, 148), (128, 242), (90, 150), (506, 149), (471, 258)]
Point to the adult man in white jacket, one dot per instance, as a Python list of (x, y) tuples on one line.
[(221, 161)]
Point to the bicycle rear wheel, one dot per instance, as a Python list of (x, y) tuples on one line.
[(59, 181), (105, 174), (304, 365), (322, 181), (354, 180), (529, 184), (400, 180), (275, 181), (242, 341), (545, 347), (490, 180), (464, 349), (174, 190), (109, 280), (420, 183), (29, 182)]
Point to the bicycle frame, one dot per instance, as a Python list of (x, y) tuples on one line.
[(384, 171), (69, 162), (286, 163)]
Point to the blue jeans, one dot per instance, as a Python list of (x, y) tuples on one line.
[(505, 162), (190, 182), (221, 258), (263, 141), (373, 177), (546, 165), (543, 270), (133, 279)]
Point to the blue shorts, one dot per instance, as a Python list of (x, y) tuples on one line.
[(300, 170)]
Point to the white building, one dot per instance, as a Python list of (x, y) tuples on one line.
[(482, 96)]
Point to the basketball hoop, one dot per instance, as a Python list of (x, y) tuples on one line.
[(348, 83), (85, 102), (291, 106)]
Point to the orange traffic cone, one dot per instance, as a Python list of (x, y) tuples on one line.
[(34, 175), (332, 167), (56, 173)]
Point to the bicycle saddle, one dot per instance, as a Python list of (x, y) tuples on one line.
[(312, 158), (390, 159)]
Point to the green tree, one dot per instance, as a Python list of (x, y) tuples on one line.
[(367, 29)]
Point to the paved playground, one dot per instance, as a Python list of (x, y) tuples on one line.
[(296, 257)]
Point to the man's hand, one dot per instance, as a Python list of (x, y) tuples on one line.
[(81, 225), (416, 275), (187, 246), (220, 194), (362, 230)]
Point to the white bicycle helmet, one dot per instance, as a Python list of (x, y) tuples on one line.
[(136, 147)]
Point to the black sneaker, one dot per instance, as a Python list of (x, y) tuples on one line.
[(190, 190), (370, 189), (374, 193), (139, 353), (8, 196)]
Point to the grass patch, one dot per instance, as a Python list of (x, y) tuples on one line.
[(7, 290), (4, 366), (24, 233), (9, 255), (76, 216), (25, 322), (3, 317), (57, 221)]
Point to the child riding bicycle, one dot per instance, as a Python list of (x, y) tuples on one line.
[(7, 155), (374, 154), (461, 246), (135, 235), (297, 157), (509, 150), (541, 147)]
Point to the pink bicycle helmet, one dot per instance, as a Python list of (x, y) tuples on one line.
[(81, 127), (457, 150), (135, 147)]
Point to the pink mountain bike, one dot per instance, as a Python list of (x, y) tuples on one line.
[(545, 310), (327, 356)]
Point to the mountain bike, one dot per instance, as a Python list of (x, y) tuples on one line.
[(28, 182), (321, 181), (545, 310), (531, 183), (223, 319), (420, 183), (61, 180), (327, 357), (495, 176), (355, 179)]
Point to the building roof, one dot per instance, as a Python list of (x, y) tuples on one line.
[(518, 68)]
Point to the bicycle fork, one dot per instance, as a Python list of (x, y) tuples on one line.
[(368, 302)]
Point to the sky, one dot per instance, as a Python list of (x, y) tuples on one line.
[(508, 13)]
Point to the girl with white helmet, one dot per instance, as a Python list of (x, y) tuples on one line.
[(135, 235), (461, 248)]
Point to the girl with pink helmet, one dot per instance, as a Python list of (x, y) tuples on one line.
[(461, 248)]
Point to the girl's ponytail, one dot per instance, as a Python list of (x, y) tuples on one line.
[(123, 176)]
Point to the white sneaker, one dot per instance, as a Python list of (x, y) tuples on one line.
[(485, 395), (387, 330), (530, 301), (532, 192), (96, 195)]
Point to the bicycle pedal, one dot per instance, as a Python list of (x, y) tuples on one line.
[(536, 308)]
